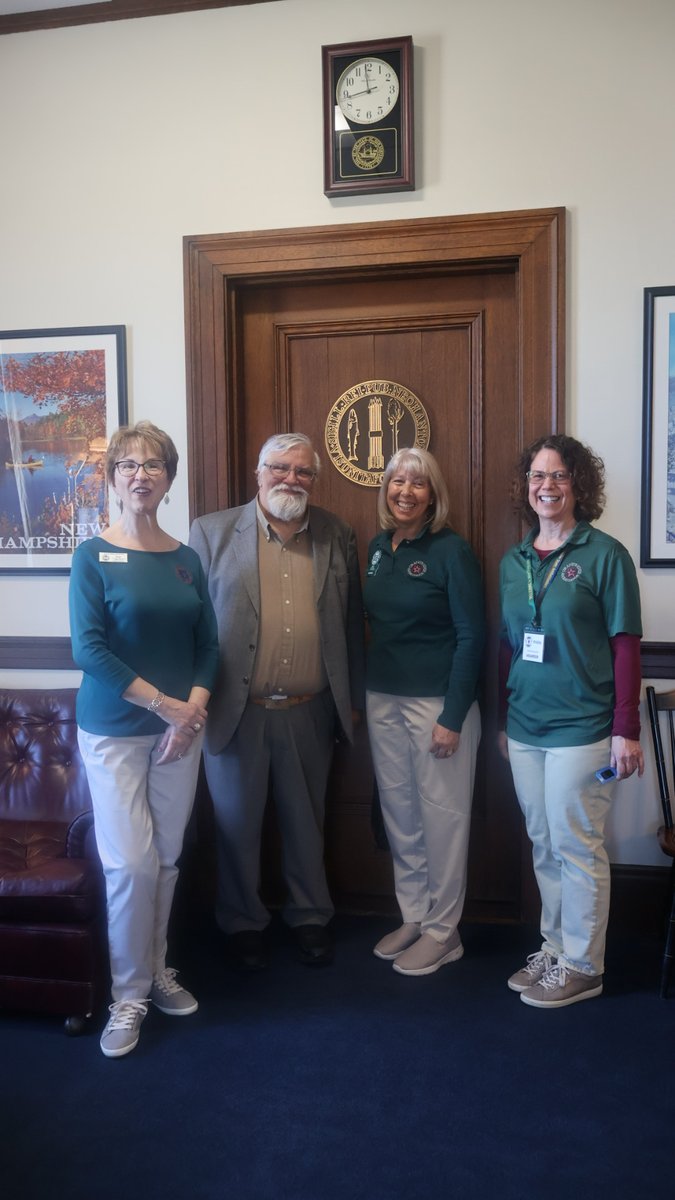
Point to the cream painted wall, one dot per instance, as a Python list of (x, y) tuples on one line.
[(121, 138)]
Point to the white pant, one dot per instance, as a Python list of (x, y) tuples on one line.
[(140, 813), (426, 806), (565, 808)]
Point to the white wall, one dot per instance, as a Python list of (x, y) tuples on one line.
[(120, 138)]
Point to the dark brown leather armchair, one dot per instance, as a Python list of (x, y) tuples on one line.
[(53, 952)]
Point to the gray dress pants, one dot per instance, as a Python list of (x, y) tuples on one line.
[(293, 748)]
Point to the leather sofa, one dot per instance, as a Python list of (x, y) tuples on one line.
[(53, 948)]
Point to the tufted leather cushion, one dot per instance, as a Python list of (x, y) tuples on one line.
[(41, 772), (45, 811), (52, 897)]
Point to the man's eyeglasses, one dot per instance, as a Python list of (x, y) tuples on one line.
[(556, 476), (127, 467), (281, 470)]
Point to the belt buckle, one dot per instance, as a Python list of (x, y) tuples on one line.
[(276, 702)]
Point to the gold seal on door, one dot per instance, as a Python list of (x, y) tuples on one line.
[(370, 422)]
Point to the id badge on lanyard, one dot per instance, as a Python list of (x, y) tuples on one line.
[(534, 638)]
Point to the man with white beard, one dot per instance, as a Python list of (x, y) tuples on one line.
[(284, 579)]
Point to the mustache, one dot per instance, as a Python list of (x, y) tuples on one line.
[(285, 489)]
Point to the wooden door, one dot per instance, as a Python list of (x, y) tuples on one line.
[(292, 340)]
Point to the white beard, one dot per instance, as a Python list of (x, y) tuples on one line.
[(287, 505)]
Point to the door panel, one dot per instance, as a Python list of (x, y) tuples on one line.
[(468, 316)]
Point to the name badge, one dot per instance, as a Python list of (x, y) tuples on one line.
[(109, 556), (533, 644)]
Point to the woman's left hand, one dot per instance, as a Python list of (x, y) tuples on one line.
[(174, 745), (444, 742), (627, 757)]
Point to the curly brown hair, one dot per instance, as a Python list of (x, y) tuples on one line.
[(586, 469)]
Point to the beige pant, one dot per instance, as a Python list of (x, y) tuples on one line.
[(426, 806)]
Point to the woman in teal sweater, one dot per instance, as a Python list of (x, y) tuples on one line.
[(424, 602), (144, 635)]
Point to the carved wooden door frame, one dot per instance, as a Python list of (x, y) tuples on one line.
[(218, 267)]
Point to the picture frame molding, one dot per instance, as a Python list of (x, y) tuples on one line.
[(112, 340)]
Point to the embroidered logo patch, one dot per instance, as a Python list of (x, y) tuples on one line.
[(375, 562), (570, 572), (417, 568), (183, 574)]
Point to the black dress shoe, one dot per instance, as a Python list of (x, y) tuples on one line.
[(247, 950), (314, 944)]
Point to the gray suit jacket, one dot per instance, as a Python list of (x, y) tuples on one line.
[(227, 544)]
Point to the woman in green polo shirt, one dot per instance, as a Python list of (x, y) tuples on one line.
[(424, 602), (570, 666)]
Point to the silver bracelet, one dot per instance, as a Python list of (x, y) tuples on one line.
[(156, 704)]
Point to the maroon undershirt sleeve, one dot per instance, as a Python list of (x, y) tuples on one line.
[(627, 680)]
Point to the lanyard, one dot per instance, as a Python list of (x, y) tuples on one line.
[(537, 601)]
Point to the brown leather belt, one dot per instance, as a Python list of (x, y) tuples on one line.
[(281, 701)]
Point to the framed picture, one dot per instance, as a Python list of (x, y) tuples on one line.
[(657, 541), (62, 393)]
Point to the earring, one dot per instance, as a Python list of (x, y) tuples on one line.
[(166, 498)]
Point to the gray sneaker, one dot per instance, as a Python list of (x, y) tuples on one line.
[(121, 1034), (560, 986), (393, 944), (169, 997), (426, 955), (536, 966)]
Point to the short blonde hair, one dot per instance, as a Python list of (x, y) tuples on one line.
[(412, 460), (156, 439)]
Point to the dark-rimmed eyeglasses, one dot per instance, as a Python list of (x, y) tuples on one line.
[(127, 467)]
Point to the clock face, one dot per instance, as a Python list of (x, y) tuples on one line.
[(367, 91)]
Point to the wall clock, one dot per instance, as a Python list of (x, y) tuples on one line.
[(368, 117)]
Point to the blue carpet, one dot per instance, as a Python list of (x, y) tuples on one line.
[(351, 1082)]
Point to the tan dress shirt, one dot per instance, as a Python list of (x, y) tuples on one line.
[(288, 660)]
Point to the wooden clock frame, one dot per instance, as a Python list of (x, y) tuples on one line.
[(394, 134)]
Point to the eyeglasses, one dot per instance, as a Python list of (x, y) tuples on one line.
[(127, 467), (556, 476), (281, 470)]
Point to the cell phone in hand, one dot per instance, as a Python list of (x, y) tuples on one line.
[(605, 774)]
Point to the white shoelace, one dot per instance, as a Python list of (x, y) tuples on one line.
[(555, 977), (124, 1013), (166, 982), (537, 962)]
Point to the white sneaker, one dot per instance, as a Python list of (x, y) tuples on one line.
[(169, 997), (427, 955), (393, 944), (121, 1034)]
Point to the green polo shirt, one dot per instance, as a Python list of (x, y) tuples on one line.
[(424, 604), (568, 699)]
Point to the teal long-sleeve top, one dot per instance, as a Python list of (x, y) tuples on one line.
[(424, 603), (138, 613)]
